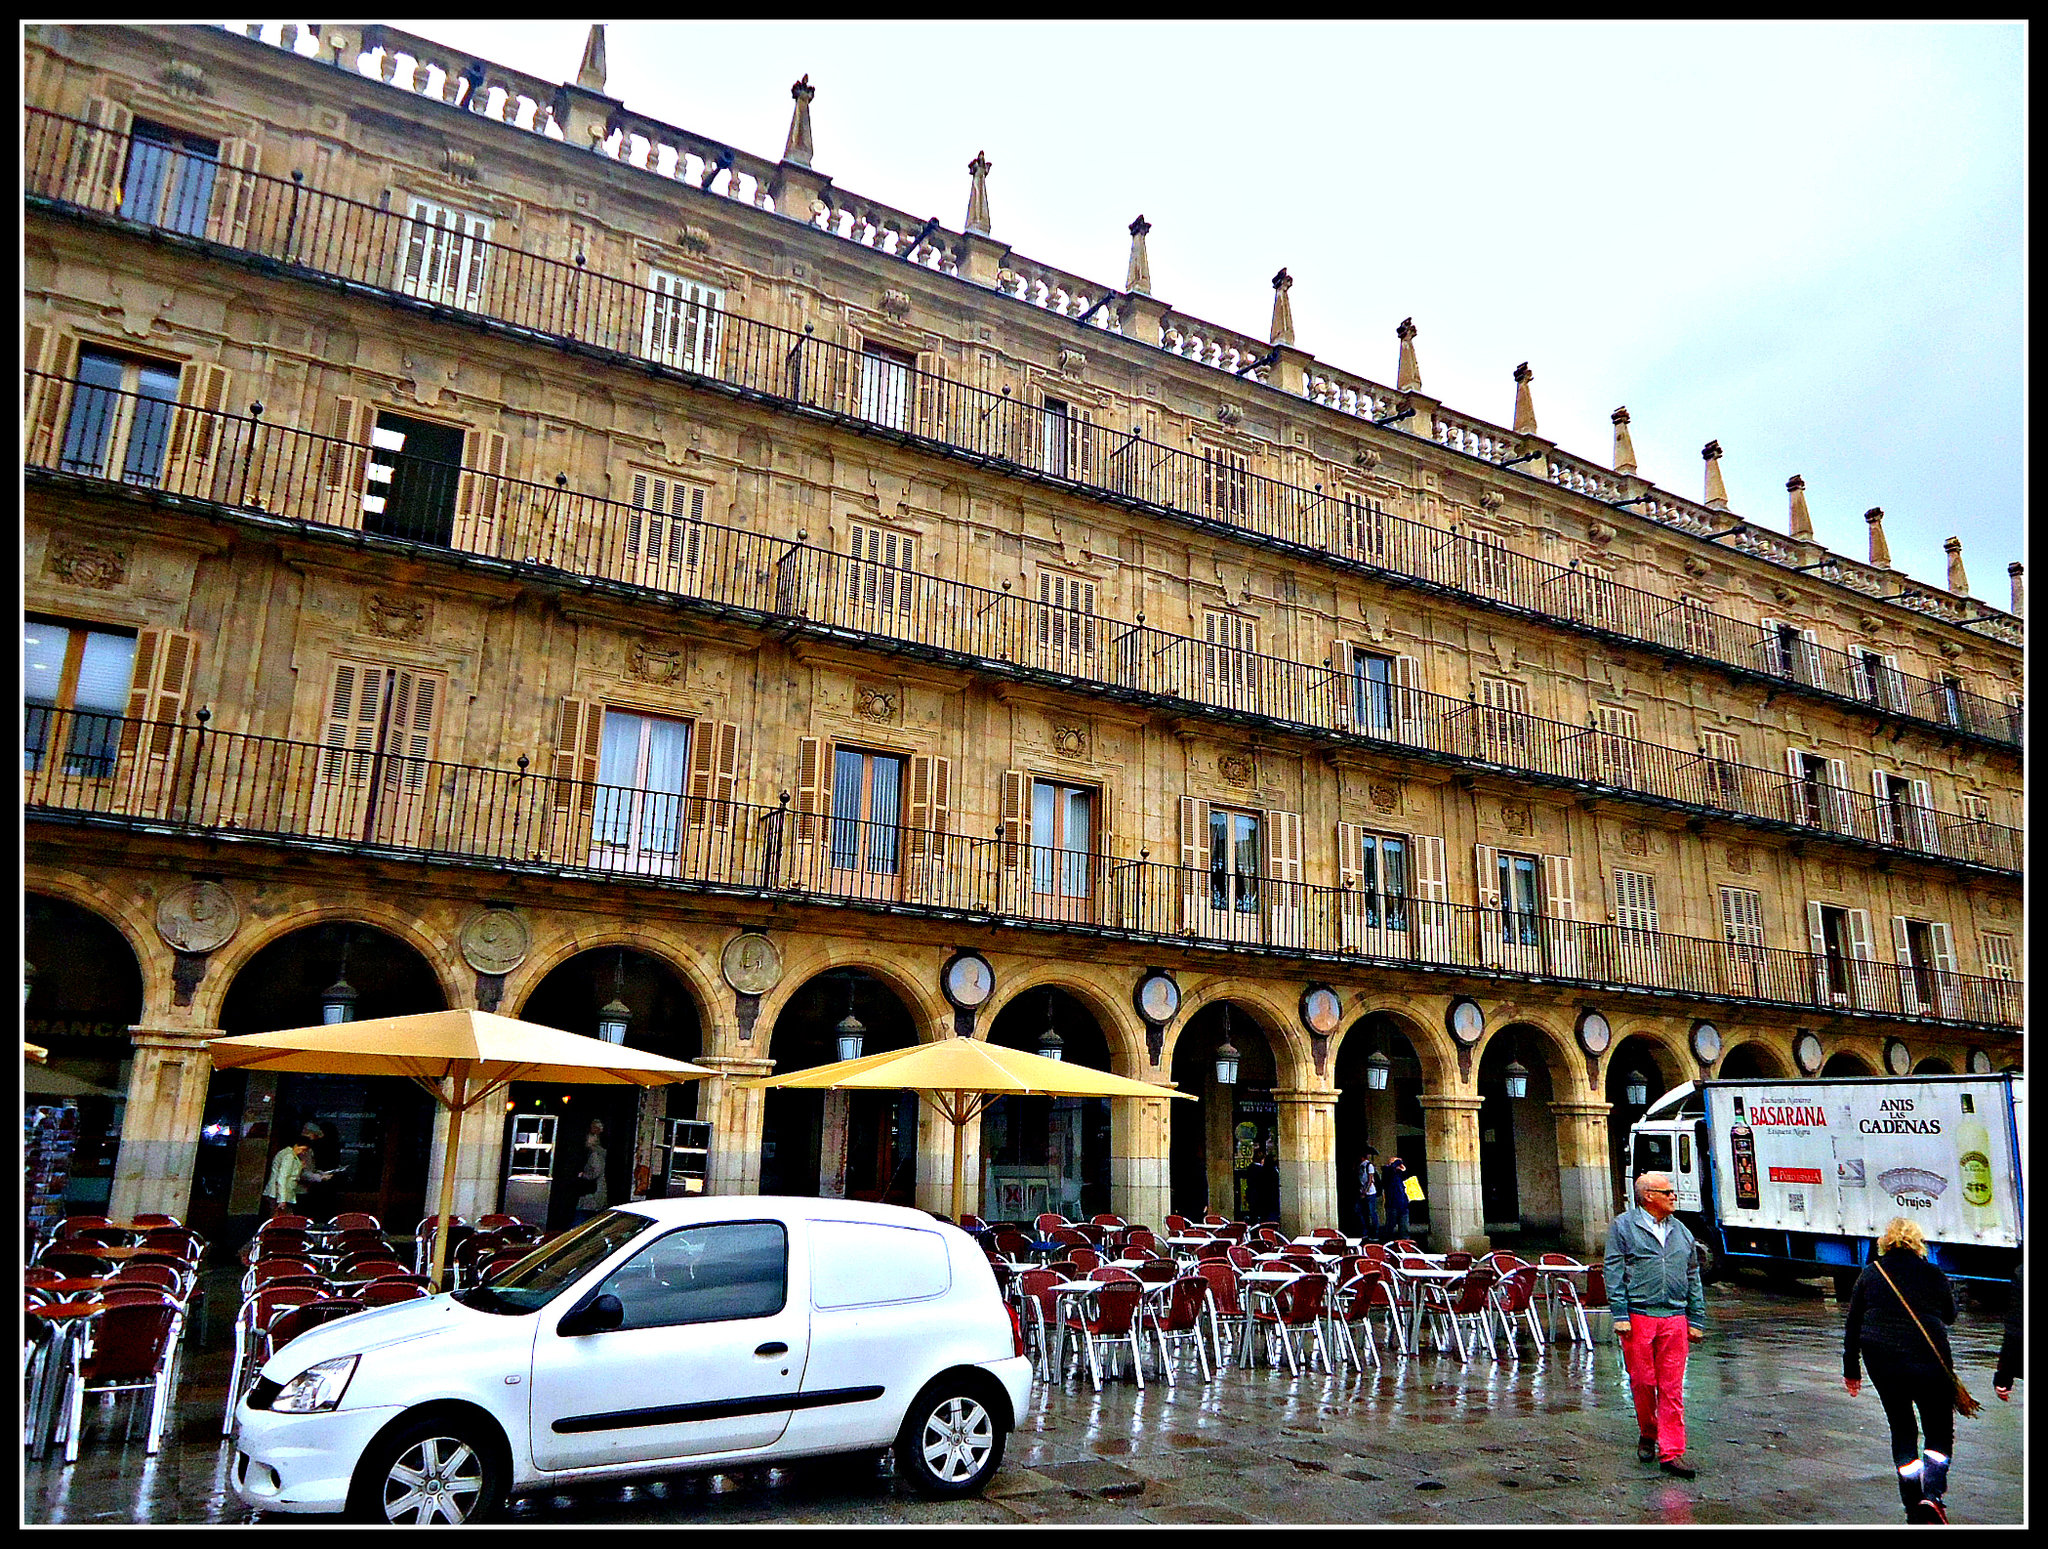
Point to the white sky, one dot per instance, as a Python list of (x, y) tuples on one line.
[(1804, 241)]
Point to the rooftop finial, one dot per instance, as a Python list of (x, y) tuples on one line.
[(797, 149), (1800, 522), (1717, 492), (1525, 406), (591, 73), (1407, 374), (1282, 331), (1880, 551), (1624, 448), (1958, 582), (977, 196), (1138, 277), (2018, 572)]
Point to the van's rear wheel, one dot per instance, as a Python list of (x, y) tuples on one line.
[(951, 1443)]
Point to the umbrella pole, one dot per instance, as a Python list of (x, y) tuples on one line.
[(458, 1082), (959, 1149)]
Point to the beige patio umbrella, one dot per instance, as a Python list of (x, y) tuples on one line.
[(960, 1077), (34, 1051), (459, 1058)]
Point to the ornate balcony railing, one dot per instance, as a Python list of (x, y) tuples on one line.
[(282, 226), (181, 778), (248, 463)]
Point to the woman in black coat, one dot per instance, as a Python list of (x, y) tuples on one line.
[(1910, 1368)]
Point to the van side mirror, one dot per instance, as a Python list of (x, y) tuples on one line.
[(592, 1317)]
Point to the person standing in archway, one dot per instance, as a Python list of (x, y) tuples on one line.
[(596, 1195), (1394, 1194), (1369, 1194)]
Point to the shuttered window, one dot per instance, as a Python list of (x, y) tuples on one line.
[(1723, 772), (1618, 763), (1998, 963), (119, 426), (1066, 615), (1230, 646), (885, 378), (1742, 916), (1503, 706), (881, 567), (443, 254), (641, 764), (1487, 565), (1226, 482), (75, 684), (169, 178), (1362, 528), (1600, 601), (682, 326), (1635, 900), (1701, 631), (665, 532)]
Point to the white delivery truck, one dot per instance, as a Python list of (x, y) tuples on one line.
[(1801, 1176)]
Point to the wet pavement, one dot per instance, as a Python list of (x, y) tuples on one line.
[(1775, 1438)]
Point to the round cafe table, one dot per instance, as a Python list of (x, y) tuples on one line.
[(74, 1284), (67, 1323)]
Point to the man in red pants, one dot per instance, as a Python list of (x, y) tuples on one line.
[(1660, 1311)]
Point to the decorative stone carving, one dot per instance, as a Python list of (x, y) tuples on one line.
[(428, 379), (495, 941), (85, 564), (1070, 740), (1367, 458), (1739, 859), (1635, 841), (1230, 414), (652, 662), (1384, 797), (877, 704), (1781, 592), (198, 917), (1072, 362), (896, 304), (1237, 769), (751, 963), (1831, 875), (1694, 566), (1601, 532), (694, 239), (460, 165), (182, 79), (1916, 891), (1516, 817), (1998, 908), (394, 618), (1491, 500)]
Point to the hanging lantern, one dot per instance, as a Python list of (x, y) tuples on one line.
[(1517, 1075), (1638, 1089), (28, 981), (1226, 1055), (338, 1000), (1377, 1068), (616, 1016), (1050, 1044), (850, 1028)]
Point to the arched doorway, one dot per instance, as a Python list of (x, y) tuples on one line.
[(541, 1174), (84, 995), (1389, 1120), (840, 1145), (1845, 1064), (1645, 1066), (379, 1129), (1934, 1065), (1215, 1141), (1047, 1153), (1752, 1061), (1520, 1190)]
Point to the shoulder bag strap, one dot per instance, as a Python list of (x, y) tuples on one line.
[(1901, 1295)]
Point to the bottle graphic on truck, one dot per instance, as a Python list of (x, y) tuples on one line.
[(1973, 1143), (1742, 1151)]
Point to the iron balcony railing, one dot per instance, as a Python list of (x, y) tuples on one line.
[(181, 778), (458, 270), (248, 463)]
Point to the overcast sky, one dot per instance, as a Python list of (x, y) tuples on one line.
[(1803, 241)]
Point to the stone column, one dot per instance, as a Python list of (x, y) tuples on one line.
[(1450, 1138), (479, 1162), (1308, 1158), (1140, 1145), (160, 1128), (935, 1163), (734, 1114), (1582, 1173)]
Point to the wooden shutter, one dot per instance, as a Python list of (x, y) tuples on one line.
[(1432, 887), (1486, 870), (930, 390), (703, 753), (1924, 835), (101, 156), (1194, 864), (54, 353), (1342, 712), (813, 787), (1902, 954), (1795, 793), (1861, 978), (408, 785), (1880, 789), (345, 459), (1946, 989), (1351, 903), (725, 774), (1408, 698), (480, 494), (234, 193), (198, 430), (1283, 868), (1838, 794), (931, 798), (165, 662), (578, 734), (1561, 936), (351, 717)]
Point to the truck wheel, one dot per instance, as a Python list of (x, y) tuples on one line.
[(1845, 1284), (1710, 1262), (951, 1443)]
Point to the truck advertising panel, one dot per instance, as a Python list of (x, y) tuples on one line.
[(1845, 1157)]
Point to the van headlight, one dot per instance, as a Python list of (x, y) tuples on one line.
[(317, 1388)]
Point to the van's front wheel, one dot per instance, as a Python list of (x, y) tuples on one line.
[(951, 1443), (436, 1469)]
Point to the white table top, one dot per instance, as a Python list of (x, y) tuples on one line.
[(1436, 1273)]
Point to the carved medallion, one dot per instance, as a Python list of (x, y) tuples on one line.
[(1236, 769), (1635, 841), (1070, 740), (651, 662), (1739, 859), (495, 941), (395, 618), (751, 963), (1998, 908), (877, 704), (198, 917), (1831, 875), (1694, 566), (1601, 532), (1516, 817), (1385, 798), (1491, 500), (85, 564), (896, 303)]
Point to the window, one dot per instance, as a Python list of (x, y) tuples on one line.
[(76, 680), (885, 377), (376, 772), (443, 255), (1998, 955), (1364, 528), (1503, 705), (665, 533), (878, 580), (120, 418), (1062, 839), (683, 324), (704, 1274), (1372, 693), (1226, 482), (169, 178), (1055, 434), (414, 472), (1233, 861), (1898, 820), (1702, 638), (1952, 699), (641, 763), (1839, 936), (1915, 942), (1975, 808), (1487, 565), (1878, 681), (1066, 616), (1635, 901), (1616, 741), (867, 811), (1229, 652), (1723, 752), (1742, 916), (1813, 803), (1517, 884), (1601, 600), (1383, 879), (1794, 653)]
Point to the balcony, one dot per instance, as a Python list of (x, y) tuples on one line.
[(182, 779), (279, 226)]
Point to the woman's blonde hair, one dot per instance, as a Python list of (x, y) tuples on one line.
[(1900, 1232)]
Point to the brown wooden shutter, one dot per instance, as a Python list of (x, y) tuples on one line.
[(1342, 714), (234, 193), (198, 429), (100, 156), (1283, 867), (931, 395), (1351, 904), (1194, 864), (409, 783), (165, 661), (703, 755), (480, 494), (813, 787), (725, 774), (54, 353), (348, 736), (578, 732), (345, 459)]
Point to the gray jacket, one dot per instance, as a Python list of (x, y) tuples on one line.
[(1659, 1280)]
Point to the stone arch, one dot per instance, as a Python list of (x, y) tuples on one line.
[(1933, 1065), (1280, 1025), (123, 914), (437, 948), (931, 1013), (671, 952), (1773, 1063), (1120, 1024), (1566, 1068), (1847, 1062), (1665, 1045), (1522, 1167), (1434, 1048)]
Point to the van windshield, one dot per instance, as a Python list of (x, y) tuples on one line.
[(544, 1273)]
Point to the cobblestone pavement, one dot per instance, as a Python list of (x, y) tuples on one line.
[(1423, 1440)]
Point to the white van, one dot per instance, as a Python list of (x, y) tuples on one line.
[(657, 1337)]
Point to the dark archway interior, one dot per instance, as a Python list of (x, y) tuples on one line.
[(1934, 1066), (1519, 1188), (1635, 1055), (663, 1020), (1214, 1140), (1746, 1062), (859, 1145), (1047, 1153), (1844, 1064), (85, 995), (1390, 1120)]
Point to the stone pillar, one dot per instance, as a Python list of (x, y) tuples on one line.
[(160, 1128), (1624, 443), (479, 1161), (982, 258), (1308, 1158), (734, 1114), (935, 1163), (1143, 318), (1140, 1146), (1582, 1173), (1450, 1140)]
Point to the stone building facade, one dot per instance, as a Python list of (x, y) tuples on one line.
[(491, 548)]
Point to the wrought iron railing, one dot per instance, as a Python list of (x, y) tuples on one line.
[(287, 226), (182, 778), (249, 463)]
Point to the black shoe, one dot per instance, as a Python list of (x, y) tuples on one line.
[(1646, 1448), (1678, 1468), (1939, 1511)]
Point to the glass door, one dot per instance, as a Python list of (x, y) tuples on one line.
[(867, 819), (641, 763), (1234, 861), (1062, 850)]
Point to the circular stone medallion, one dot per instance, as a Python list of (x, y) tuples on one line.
[(1321, 1009), (1466, 1020), (198, 917), (751, 963), (1806, 1051), (1594, 1033), (1898, 1059), (495, 941), (1158, 999)]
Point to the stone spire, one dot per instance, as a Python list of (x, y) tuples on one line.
[(977, 196), (1138, 277), (797, 149), (1407, 374), (1525, 406), (591, 73), (1958, 582), (1717, 492), (1880, 551), (1624, 448), (2018, 572), (1800, 522), (1282, 331)]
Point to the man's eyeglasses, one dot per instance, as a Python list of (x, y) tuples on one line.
[(1672, 1192)]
